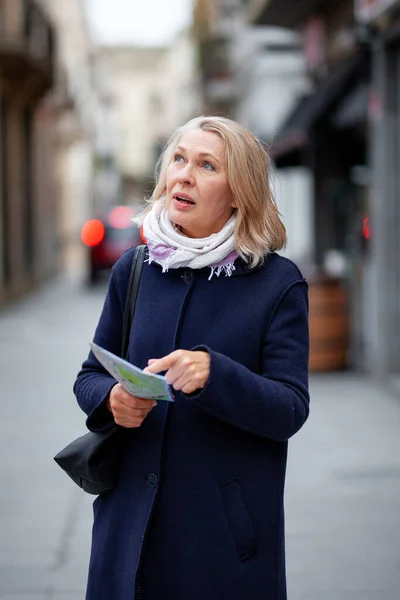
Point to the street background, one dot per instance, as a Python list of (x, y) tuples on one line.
[(90, 91)]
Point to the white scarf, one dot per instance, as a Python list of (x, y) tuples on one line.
[(172, 249)]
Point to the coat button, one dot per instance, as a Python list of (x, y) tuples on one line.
[(152, 480), (187, 277)]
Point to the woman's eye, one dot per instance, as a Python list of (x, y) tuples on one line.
[(208, 166), (178, 158)]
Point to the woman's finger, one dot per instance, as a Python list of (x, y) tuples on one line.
[(132, 417), (187, 385), (180, 382), (189, 388), (156, 365), (174, 374), (129, 423), (134, 412)]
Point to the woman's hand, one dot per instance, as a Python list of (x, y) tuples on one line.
[(127, 410), (186, 370)]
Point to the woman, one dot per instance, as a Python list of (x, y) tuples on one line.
[(198, 507)]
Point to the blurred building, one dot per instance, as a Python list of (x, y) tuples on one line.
[(216, 23), (270, 75), (153, 90), (269, 72), (135, 82), (327, 132), (346, 132), (88, 181), (180, 84), (28, 197), (379, 25)]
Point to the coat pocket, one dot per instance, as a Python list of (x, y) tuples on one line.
[(238, 519)]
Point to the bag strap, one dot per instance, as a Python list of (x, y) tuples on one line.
[(131, 295)]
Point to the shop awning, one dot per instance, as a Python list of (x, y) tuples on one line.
[(297, 129), (286, 13), (353, 109)]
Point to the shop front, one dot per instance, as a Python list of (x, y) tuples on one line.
[(382, 326), (327, 132), (27, 204)]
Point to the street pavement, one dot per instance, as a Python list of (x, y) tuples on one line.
[(343, 478)]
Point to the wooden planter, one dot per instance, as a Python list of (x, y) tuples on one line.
[(329, 325)]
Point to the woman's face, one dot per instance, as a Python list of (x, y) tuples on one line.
[(198, 196)]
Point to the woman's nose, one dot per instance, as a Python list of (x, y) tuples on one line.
[(186, 175)]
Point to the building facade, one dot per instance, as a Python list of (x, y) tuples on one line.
[(28, 197), (153, 91), (379, 22), (270, 76), (87, 178), (347, 133), (216, 24)]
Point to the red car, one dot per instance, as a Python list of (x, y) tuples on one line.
[(108, 237)]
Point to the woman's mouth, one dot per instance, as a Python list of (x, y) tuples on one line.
[(183, 202)]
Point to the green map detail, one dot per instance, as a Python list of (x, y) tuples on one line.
[(130, 376), (151, 386)]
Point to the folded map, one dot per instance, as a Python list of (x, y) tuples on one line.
[(133, 379)]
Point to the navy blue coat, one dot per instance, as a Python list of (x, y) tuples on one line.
[(198, 508)]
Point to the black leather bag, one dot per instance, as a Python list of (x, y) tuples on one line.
[(91, 460)]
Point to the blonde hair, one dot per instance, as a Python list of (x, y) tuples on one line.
[(259, 229)]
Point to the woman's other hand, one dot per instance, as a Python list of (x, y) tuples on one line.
[(186, 370), (127, 410)]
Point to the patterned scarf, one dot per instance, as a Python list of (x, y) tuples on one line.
[(172, 249)]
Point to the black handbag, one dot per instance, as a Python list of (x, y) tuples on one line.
[(91, 460)]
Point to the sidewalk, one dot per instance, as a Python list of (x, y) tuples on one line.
[(343, 494)]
